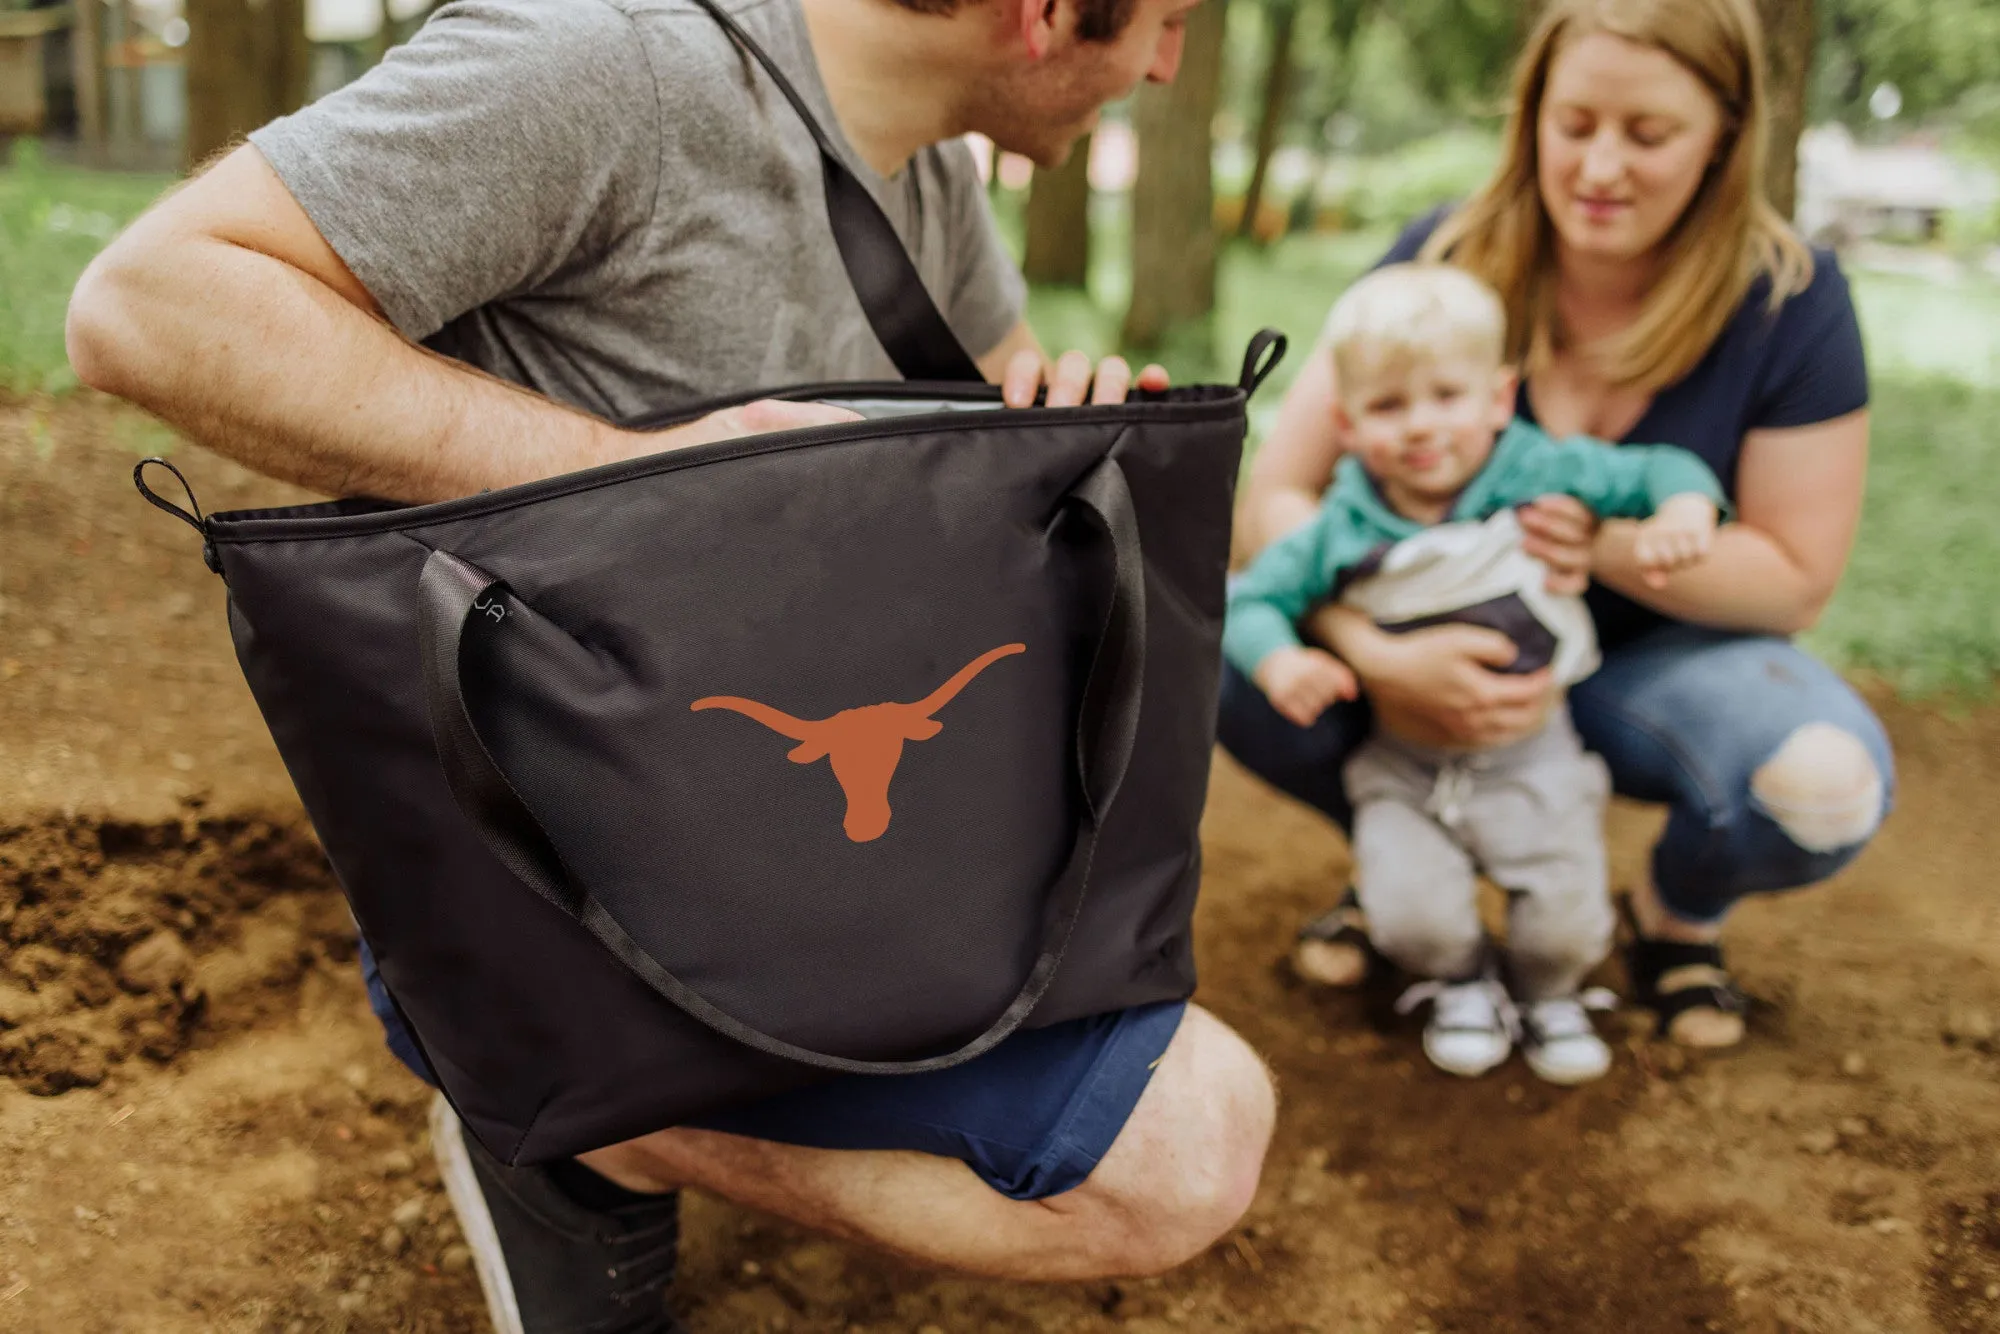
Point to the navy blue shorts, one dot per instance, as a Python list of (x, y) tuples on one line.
[(1032, 1117)]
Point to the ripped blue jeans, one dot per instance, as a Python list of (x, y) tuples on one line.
[(1682, 715)]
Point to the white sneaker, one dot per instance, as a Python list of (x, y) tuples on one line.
[(1472, 1025), (1560, 1042)]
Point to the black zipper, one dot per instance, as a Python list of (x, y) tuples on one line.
[(253, 526)]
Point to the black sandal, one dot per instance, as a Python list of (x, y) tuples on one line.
[(1344, 924), (1647, 960)]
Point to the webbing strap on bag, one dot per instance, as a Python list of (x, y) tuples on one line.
[(905, 320), (451, 591)]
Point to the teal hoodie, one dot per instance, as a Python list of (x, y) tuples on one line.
[(1302, 569)]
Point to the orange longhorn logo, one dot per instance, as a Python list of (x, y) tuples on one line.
[(865, 744)]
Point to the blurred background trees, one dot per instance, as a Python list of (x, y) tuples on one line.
[(248, 62), (1291, 118)]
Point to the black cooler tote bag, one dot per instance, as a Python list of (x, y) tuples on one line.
[(685, 780)]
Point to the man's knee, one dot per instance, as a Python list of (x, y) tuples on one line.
[(1186, 1166), (1822, 788)]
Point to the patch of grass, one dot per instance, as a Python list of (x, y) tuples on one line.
[(53, 220), (145, 436), (1921, 600), (1922, 326)]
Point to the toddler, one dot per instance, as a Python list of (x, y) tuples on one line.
[(1418, 529)]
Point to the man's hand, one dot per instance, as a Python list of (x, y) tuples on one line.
[(1303, 683), (1071, 379), (761, 417), (1675, 537), (1558, 531)]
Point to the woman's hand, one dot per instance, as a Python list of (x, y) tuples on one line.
[(1560, 531), (1441, 686)]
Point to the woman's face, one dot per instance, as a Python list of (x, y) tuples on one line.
[(1624, 135)]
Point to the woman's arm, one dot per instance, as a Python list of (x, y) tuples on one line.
[(1798, 497), (1295, 463)]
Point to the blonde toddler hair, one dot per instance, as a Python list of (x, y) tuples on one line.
[(1405, 315)]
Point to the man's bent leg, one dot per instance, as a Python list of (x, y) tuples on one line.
[(1179, 1174)]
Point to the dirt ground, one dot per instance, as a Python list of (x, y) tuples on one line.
[(200, 1130)]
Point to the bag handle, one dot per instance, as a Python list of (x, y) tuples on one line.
[(451, 592), (899, 309)]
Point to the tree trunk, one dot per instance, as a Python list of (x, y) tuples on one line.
[(385, 35), (1058, 217), (1173, 199), (1788, 41), (1284, 20), (86, 63), (247, 63)]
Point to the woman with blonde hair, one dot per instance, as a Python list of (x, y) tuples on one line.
[(1652, 294)]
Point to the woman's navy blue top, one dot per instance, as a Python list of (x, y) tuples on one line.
[(1798, 365)]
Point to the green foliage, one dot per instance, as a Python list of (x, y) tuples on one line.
[(1467, 46), (1390, 190), (1936, 52), (53, 219)]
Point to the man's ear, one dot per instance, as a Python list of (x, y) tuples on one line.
[(1038, 24)]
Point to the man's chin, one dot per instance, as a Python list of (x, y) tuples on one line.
[(1048, 159), (1050, 152)]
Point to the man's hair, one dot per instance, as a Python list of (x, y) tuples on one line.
[(1096, 20), (1404, 315)]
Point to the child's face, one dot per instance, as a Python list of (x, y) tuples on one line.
[(1423, 427)]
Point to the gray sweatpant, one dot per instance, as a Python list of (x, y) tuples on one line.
[(1530, 815)]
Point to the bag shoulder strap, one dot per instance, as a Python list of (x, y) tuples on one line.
[(905, 319)]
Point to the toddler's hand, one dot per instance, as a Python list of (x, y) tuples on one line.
[(1302, 683), (1675, 537)]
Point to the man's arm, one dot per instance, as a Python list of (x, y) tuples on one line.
[(224, 312)]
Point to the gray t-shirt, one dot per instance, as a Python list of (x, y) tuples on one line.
[(608, 202)]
